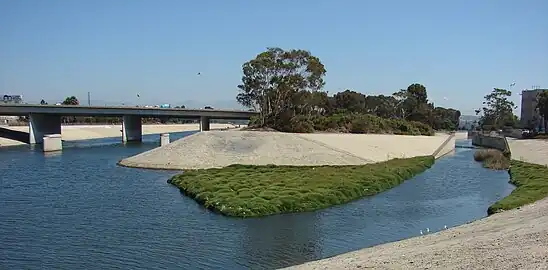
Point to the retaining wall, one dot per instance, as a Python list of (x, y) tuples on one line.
[(446, 147), (496, 142)]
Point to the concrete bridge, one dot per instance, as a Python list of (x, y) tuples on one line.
[(45, 120)]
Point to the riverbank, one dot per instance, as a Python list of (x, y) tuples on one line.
[(254, 191), (220, 149), (85, 132), (513, 239)]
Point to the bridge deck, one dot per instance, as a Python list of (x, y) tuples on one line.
[(71, 110)]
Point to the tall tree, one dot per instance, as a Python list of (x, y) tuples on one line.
[(349, 101), (71, 101), (542, 107), (381, 105), (413, 103), (273, 79), (498, 110), (418, 93)]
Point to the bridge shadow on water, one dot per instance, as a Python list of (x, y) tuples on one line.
[(78, 210)]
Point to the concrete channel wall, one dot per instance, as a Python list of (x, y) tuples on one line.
[(490, 141), (446, 147)]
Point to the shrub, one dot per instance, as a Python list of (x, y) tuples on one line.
[(301, 124), (492, 159)]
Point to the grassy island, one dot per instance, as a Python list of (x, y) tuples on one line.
[(531, 181), (253, 191)]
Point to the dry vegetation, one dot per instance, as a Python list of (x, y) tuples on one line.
[(492, 159)]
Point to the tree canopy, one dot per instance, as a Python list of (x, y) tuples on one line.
[(285, 87), (498, 111), (542, 106), (272, 82), (71, 101)]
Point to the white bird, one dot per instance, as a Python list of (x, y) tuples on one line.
[(421, 232), (445, 227), (427, 230)]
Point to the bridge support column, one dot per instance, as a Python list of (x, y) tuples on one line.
[(41, 125), (164, 139), (204, 123), (132, 129), (52, 143)]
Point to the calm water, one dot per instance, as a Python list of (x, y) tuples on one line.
[(78, 210)]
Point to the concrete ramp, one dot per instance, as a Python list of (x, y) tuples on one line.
[(15, 135)]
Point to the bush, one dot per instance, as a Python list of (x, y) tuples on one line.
[(300, 124), (345, 122), (492, 159), (367, 123)]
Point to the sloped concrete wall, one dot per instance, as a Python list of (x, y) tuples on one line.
[(446, 147)]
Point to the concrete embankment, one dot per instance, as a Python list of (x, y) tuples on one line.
[(85, 132), (490, 141), (514, 239), (219, 149), (532, 151)]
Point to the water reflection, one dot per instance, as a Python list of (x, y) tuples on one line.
[(282, 239), (79, 210)]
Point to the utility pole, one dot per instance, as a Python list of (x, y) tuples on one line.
[(89, 101)]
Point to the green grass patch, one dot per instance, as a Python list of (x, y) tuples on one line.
[(492, 159), (253, 191), (531, 181)]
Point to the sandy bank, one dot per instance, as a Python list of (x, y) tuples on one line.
[(515, 239), (85, 132), (219, 149)]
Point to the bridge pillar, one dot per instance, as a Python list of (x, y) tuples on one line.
[(52, 143), (132, 129), (41, 125), (204, 123), (164, 139)]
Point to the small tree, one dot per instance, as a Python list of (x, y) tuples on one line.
[(71, 101), (542, 107)]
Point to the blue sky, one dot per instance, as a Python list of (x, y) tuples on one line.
[(459, 50)]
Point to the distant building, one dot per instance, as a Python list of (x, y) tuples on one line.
[(12, 99), (530, 116)]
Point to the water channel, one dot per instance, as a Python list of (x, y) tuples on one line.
[(79, 210)]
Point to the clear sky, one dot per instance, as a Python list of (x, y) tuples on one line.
[(115, 49)]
